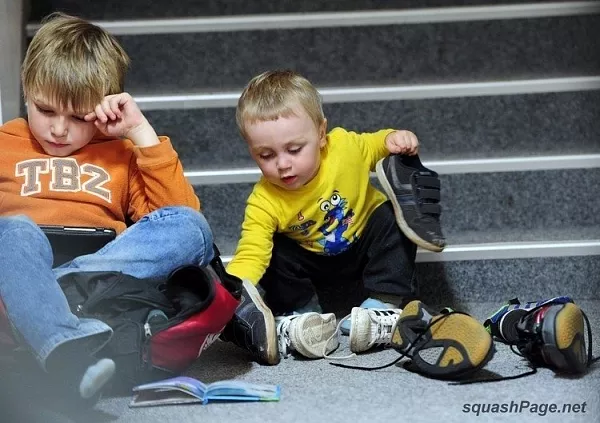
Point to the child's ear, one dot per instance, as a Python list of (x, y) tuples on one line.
[(323, 134)]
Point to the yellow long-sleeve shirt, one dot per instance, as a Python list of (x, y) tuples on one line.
[(101, 185), (325, 216)]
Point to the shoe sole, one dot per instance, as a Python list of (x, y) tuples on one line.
[(272, 353), (564, 339), (454, 346), (312, 332), (412, 235)]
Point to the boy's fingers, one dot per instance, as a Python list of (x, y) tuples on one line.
[(413, 142), (100, 115), (115, 103), (90, 116), (106, 106)]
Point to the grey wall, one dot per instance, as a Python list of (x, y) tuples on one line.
[(12, 14)]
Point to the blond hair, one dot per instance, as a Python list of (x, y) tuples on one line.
[(73, 63), (274, 94)]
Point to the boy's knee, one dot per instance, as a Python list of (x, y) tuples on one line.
[(18, 224), (195, 224), (198, 220), (19, 229)]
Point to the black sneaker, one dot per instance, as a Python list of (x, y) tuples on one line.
[(414, 192), (553, 336), (253, 327)]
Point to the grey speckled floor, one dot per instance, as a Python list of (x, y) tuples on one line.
[(318, 391)]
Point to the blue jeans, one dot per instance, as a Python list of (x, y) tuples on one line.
[(36, 306)]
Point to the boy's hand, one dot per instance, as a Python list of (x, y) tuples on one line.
[(119, 116), (402, 142)]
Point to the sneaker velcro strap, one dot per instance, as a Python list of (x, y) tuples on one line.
[(429, 194), (430, 208), (427, 181)]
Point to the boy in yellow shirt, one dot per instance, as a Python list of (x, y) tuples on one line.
[(314, 220)]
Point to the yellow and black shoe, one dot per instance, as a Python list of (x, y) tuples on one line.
[(446, 345)]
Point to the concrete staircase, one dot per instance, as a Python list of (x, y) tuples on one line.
[(504, 99)]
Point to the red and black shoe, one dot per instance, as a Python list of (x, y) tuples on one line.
[(553, 335)]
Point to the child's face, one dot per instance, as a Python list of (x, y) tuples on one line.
[(287, 150), (59, 131)]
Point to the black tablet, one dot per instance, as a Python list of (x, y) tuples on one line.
[(69, 242)]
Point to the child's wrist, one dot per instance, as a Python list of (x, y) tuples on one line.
[(143, 135)]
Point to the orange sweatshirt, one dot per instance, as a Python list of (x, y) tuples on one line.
[(100, 185)]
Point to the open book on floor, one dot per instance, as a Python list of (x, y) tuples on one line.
[(186, 390)]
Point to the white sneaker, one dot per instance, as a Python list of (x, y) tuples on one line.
[(370, 327), (310, 334)]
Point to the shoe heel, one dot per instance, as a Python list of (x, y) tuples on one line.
[(310, 333), (359, 328), (564, 339)]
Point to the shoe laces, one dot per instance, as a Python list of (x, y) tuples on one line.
[(336, 333), (385, 319), (283, 335), (384, 323), (409, 349)]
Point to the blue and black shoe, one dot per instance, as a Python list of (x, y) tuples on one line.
[(414, 192), (253, 327)]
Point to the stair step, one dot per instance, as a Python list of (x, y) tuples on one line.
[(526, 238), (573, 242), (499, 280), (491, 204), (448, 128), (349, 56), (442, 167), (375, 93), (502, 278), (141, 9)]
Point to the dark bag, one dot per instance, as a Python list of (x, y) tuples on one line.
[(197, 301)]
